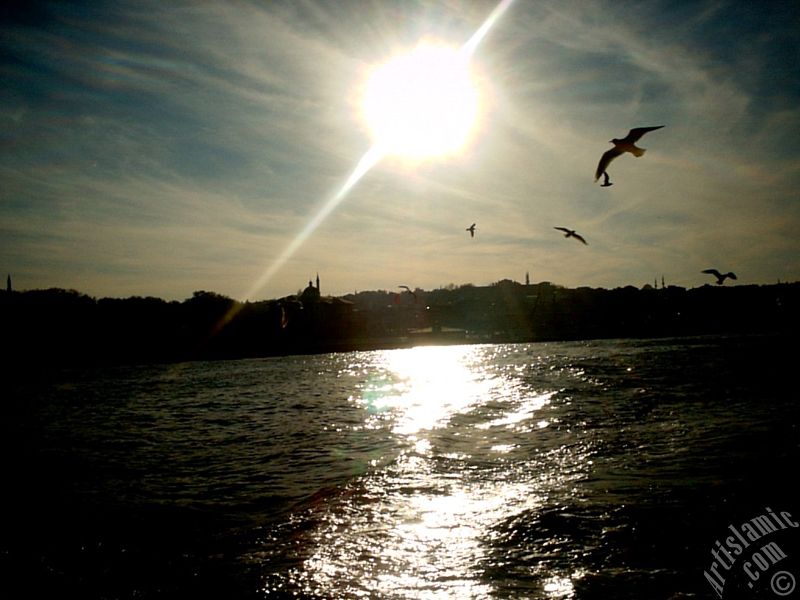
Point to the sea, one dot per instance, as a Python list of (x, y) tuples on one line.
[(606, 469)]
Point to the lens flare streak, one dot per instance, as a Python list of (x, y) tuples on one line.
[(477, 37), (369, 160), (365, 164)]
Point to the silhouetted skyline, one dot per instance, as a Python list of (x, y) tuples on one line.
[(56, 326)]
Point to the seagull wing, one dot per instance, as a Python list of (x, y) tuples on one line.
[(605, 160), (712, 272), (580, 238), (564, 229), (732, 275), (638, 132)]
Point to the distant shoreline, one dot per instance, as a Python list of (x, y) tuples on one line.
[(65, 327)]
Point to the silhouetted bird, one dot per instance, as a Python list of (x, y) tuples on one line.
[(408, 289), (571, 233), (606, 182), (626, 144), (471, 230), (721, 277)]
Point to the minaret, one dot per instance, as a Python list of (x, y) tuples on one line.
[(8, 283), (527, 278), (317, 281)]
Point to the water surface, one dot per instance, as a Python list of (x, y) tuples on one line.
[(602, 469)]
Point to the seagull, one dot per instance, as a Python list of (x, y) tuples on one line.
[(606, 182), (471, 230), (408, 289), (571, 233), (721, 277), (626, 144)]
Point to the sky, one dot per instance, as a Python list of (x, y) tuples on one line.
[(162, 148)]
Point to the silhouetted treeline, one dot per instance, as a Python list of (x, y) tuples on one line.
[(67, 327)]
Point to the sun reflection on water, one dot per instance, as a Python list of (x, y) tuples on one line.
[(428, 384), (562, 588), (420, 523)]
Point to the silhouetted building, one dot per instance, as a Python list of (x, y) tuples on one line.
[(65, 327), (311, 294)]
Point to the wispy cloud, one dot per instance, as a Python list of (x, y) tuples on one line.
[(161, 148)]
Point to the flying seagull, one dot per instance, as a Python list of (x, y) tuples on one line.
[(626, 144), (721, 277), (571, 233), (471, 230), (606, 182), (408, 289)]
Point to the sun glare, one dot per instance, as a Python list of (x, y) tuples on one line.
[(423, 104)]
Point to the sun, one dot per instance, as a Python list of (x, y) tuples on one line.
[(423, 104)]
